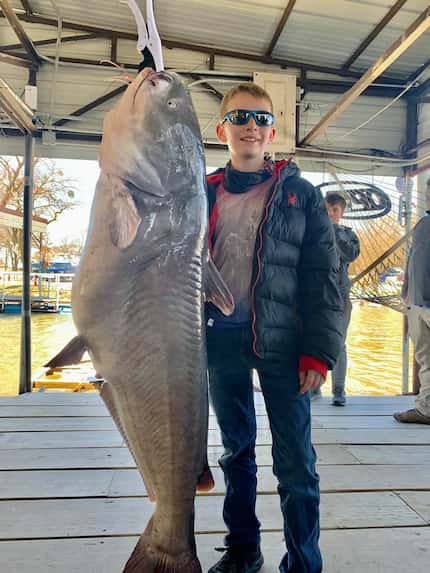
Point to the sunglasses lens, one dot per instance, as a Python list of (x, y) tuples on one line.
[(263, 119), (242, 117), (239, 117)]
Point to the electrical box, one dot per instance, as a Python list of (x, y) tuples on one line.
[(30, 97), (282, 89)]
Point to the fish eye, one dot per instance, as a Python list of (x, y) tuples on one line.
[(172, 103)]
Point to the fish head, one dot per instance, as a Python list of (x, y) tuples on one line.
[(151, 138)]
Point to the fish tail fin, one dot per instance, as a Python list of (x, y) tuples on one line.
[(71, 353), (148, 557)]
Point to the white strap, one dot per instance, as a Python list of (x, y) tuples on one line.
[(148, 36)]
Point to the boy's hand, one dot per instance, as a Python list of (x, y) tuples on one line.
[(310, 380)]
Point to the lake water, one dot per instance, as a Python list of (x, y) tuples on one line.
[(374, 348)]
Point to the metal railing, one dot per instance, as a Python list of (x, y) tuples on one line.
[(49, 291)]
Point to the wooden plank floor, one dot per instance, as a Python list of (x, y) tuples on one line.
[(71, 499)]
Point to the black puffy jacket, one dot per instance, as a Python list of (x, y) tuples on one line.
[(296, 306)]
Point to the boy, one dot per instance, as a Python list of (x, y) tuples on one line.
[(273, 243), (348, 247)]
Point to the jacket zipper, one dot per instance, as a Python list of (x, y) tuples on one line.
[(257, 277)]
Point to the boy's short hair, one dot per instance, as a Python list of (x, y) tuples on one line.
[(335, 199), (247, 87)]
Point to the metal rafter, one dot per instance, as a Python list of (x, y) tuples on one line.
[(213, 91), (281, 26), (92, 104), (110, 95), (422, 90), (20, 32), (26, 5), (15, 60), (50, 41), (415, 30), (211, 51), (374, 33)]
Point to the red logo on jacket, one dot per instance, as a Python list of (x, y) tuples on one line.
[(292, 197)]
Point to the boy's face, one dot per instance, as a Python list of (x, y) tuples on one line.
[(335, 213), (246, 142)]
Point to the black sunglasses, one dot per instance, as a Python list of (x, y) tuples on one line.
[(242, 117)]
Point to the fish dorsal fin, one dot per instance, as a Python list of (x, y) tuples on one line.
[(125, 216), (216, 291)]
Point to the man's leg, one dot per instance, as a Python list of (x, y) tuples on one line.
[(419, 331), (294, 466), (231, 394), (422, 355)]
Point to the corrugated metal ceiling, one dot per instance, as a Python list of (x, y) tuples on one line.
[(320, 33), (317, 33)]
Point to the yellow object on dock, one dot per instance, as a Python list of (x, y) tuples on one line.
[(79, 378)]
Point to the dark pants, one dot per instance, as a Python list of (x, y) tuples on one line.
[(231, 391), (338, 375)]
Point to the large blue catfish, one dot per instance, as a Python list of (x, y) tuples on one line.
[(138, 305)]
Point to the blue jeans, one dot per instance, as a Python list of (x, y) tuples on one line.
[(231, 392)]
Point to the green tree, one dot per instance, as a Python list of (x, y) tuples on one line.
[(53, 194)]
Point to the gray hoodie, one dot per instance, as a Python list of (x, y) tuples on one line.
[(417, 276), (348, 249)]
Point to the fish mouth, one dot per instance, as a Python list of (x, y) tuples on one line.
[(153, 77), (161, 75)]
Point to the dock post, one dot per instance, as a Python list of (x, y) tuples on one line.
[(408, 227), (25, 364)]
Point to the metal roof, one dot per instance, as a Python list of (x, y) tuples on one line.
[(316, 41)]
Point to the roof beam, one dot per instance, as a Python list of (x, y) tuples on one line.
[(268, 60), (206, 85), (211, 51), (375, 32), (422, 90), (281, 26), (26, 5), (110, 95), (91, 105), (340, 87), (100, 32), (415, 30), (50, 41), (20, 32), (15, 60), (16, 109)]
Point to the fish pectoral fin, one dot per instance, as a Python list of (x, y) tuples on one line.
[(125, 217), (216, 291), (71, 353)]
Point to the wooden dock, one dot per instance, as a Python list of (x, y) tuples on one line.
[(71, 500)]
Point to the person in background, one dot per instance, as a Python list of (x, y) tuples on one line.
[(416, 294), (348, 248), (273, 243)]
